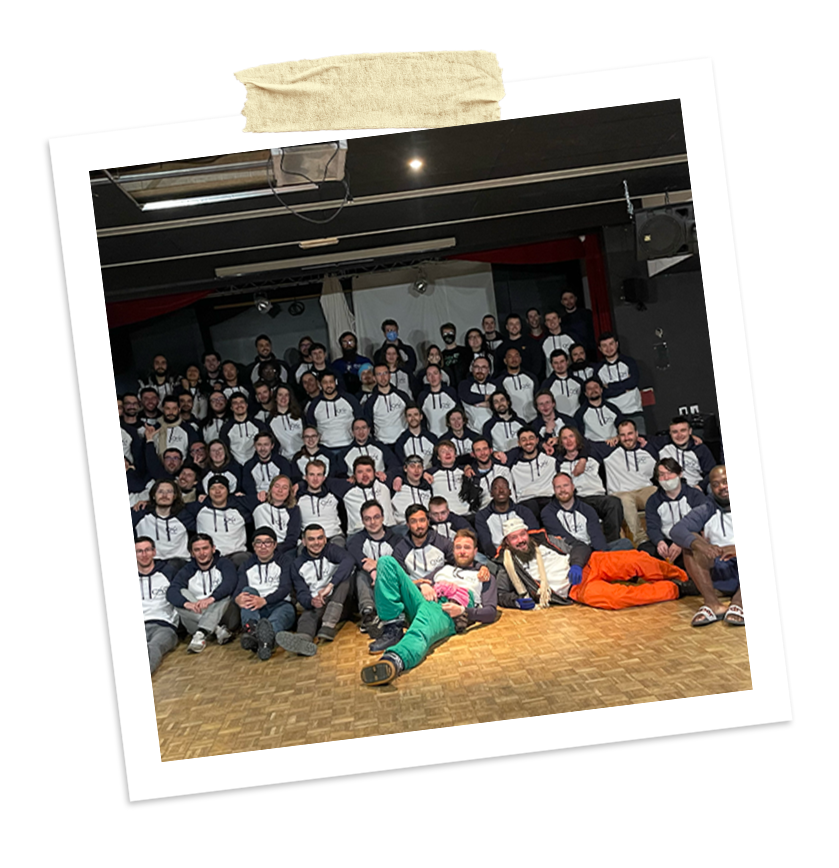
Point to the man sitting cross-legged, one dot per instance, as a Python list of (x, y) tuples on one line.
[(445, 603), (263, 595)]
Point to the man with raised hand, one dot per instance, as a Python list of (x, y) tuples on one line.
[(446, 602), (159, 614), (201, 592), (483, 468)]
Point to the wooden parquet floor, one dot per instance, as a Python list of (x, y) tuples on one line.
[(224, 700)]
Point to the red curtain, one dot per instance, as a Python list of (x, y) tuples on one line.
[(122, 313), (561, 250)]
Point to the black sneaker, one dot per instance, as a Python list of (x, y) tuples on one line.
[(391, 634), (248, 640), (265, 639), (370, 623), (383, 671)]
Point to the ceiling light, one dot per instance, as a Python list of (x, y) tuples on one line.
[(421, 283), (317, 242), (262, 304), (415, 164), (192, 201)]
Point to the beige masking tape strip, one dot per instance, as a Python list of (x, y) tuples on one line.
[(373, 91)]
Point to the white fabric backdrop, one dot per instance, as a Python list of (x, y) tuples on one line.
[(336, 312), (458, 292)]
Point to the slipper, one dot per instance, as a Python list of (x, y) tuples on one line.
[(737, 613), (704, 616)]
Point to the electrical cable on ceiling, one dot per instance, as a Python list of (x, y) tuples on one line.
[(269, 171)]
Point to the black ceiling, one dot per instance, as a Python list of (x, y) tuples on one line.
[(188, 249)]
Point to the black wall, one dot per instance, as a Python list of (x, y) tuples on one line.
[(676, 306)]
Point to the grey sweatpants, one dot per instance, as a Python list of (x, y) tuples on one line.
[(209, 620), (160, 640)]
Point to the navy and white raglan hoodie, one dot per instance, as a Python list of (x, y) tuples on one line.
[(629, 469), (562, 420), (269, 579), (450, 526), (238, 436), (567, 392), (153, 589), (532, 477), (462, 445), (662, 511), (218, 581), (288, 433), (133, 446), (286, 524), (327, 456), (598, 423), (180, 436), (211, 429), (577, 522), (362, 546), (257, 474), (232, 471), (357, 495), (447, 483), (711, 519), (309, 575), (435, 406), (334, 418), (486, 476), (589, 483), (620, 381), (226, 525), (321, 507), (472, 393), (489, 523), (382, 455), (551, 343), (170, 534), (420, 561), (407, 496), (386, 414), (521, 387), (408, 444), (695, 459), (503, 434)]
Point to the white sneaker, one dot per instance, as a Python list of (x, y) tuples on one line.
[(223, 635), (198, 643)]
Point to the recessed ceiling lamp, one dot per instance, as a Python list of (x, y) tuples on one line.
[(415, 164), (421, 283), (261, 302)]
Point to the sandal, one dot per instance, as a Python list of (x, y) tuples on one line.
[(737, 619), (706, 615)]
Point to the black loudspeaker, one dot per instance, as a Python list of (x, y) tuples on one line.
[(662, 232), (635, 290)]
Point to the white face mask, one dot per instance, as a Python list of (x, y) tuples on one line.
[(670, 484)]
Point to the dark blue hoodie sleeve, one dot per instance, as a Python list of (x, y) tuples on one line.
[(653, 519), (304, 595), (293, 531), (229, 579), (694, 522), (552, 524), (345, 561), (178, 583), (595, 530)]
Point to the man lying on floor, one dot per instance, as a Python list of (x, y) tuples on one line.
[(436, 607), (541, 570)]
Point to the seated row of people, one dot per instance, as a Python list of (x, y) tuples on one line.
[(436, 580)]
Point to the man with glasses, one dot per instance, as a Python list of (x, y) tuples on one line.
[(158, 613), (263, 596)]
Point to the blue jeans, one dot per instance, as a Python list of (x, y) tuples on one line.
[(282, 615)]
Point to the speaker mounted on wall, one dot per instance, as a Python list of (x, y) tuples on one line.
[(663, 232)]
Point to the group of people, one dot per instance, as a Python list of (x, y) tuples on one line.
[(279, 500)]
